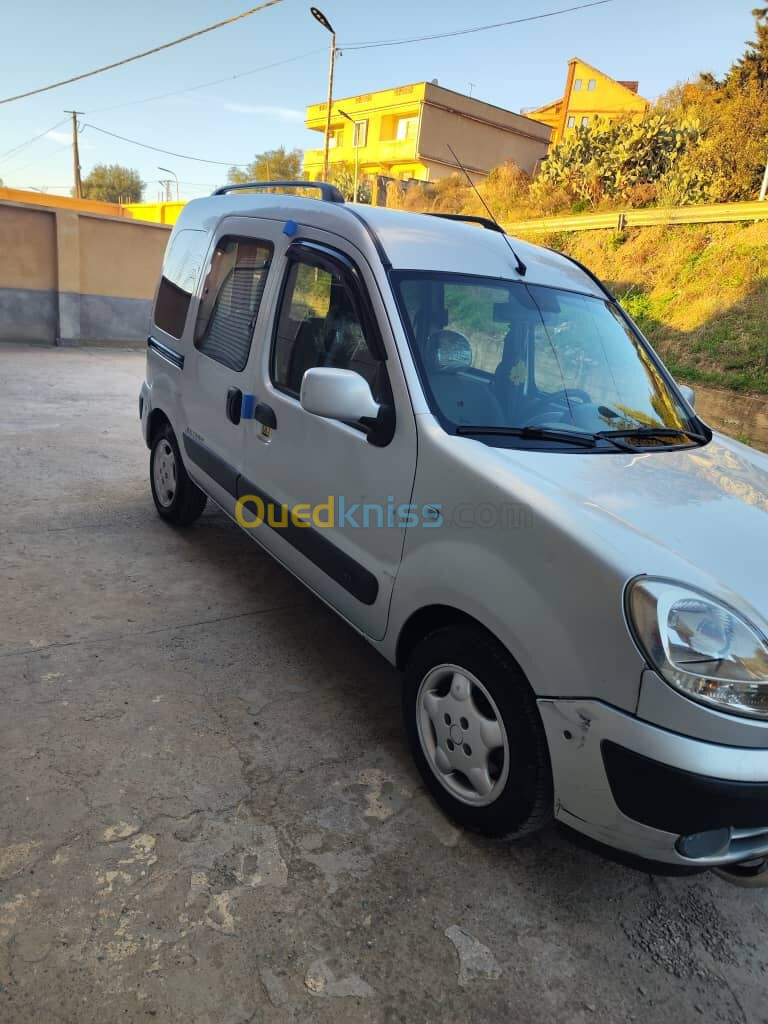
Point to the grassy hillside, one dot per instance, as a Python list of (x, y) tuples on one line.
[(699, 293)]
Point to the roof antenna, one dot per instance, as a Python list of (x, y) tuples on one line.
[(521, 267)]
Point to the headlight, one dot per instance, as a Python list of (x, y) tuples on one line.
[(703, 648)]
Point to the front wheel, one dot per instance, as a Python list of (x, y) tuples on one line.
[(476, 734), (177, 499)]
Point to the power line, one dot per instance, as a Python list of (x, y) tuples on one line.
[(469, 31), (215, 81), (350, 46), (23, 145), (168, 152), (146, 53), (49, 154)]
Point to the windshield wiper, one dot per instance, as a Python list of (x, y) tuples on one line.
[(616, 435), (533, 433)]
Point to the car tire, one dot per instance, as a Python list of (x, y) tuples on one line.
[(476, 734), (177, 499)]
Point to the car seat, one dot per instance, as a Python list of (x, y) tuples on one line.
[(508, 392), (462, 398)]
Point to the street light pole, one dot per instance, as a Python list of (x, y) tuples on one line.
[(168, 171), (319, 16), (353, 122)]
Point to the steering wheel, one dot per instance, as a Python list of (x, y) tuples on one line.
[(567, 394), (561, 399)]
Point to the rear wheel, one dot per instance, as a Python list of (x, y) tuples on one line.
[(476, 734), (177, 499)]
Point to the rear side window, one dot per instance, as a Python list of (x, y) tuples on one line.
[(231, 298), (181, 270)]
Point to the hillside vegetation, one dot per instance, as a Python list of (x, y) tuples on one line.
[(702, 142), (699, 293)]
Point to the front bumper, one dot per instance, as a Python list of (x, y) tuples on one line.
[(653, 793)]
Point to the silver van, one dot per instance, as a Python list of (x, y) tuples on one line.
[(462, 444)]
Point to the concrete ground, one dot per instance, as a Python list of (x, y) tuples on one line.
[(207, 810)]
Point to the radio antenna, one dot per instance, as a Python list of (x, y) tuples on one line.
[(521, 267)]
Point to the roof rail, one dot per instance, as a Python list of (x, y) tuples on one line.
[(329, 193), (485, 222)]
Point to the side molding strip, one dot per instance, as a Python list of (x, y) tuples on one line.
[(310, 541), (210, 463), (307, 540)]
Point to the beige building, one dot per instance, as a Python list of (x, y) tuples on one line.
[(589, 94), (405, 133)]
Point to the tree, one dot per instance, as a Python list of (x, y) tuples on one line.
[(113, 183), (728, 160), (342, 175), (753, 65), (273, 165)]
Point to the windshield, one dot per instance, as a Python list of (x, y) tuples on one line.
[(512, 356)]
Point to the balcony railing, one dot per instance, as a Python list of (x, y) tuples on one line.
[(375, 152)]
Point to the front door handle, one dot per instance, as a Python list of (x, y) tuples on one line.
[(265, 414), (234, 405)]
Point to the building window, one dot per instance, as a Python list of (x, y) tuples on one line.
[(360, 134), (584, 122), (591, 85), (180, 274), (336, 138), (231, 298), (406, 128), (577, 85), (571, 121)]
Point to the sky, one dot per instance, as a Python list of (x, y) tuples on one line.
[(658, 42)]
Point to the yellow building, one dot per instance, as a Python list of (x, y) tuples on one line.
[(589, 93), (405, 133)]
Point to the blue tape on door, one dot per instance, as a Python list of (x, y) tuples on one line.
[(249, 403)]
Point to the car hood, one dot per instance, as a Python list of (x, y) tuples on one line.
[(706, 506)]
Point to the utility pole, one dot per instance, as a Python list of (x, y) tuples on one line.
[(319, 16), (76, 153)]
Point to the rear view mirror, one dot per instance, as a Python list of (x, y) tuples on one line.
[(337, 394)]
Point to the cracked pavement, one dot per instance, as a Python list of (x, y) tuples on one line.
[(207, 810)]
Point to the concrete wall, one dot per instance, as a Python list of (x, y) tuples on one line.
[(159, 213), (68, 275)]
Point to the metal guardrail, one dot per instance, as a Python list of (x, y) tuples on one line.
[(715, 213)]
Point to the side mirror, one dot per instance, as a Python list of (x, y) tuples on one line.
[(688, 394), (337, 394)]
